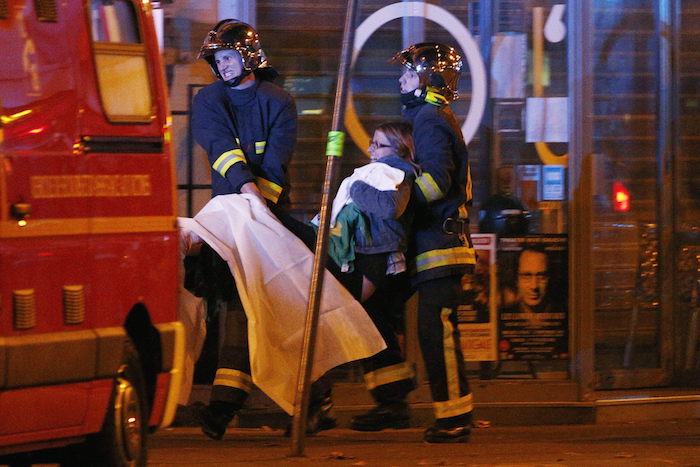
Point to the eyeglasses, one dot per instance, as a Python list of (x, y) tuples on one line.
[(376, 145)]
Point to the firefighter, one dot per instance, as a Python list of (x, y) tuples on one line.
[(247, 125), (443, 249)]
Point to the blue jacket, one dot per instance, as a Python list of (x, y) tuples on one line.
[(388, 213), (249, 136), (441, 192)]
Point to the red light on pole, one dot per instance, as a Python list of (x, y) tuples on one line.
[(621, 197)]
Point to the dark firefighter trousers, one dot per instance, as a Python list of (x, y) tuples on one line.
[(439, 341)]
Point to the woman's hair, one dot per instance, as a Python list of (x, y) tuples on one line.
[(399, 134)]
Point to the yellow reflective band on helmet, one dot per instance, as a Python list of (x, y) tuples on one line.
[(445, 257), (453, 407), (432, 96), (227, 159), (449, 354), (260, 147), (431, 191), (233, 379), (268, 189), (390, 374)]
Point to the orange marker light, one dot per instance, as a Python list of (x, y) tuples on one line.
[(34, 131)]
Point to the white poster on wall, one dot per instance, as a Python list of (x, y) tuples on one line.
[(508, 65), (547, 120)]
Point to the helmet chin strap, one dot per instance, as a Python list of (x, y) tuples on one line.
[(237, 80), (431, 96), (423, 94)]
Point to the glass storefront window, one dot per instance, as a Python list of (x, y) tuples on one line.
[(523, 156), (625, 245)]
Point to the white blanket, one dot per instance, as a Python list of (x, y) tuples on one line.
[(381, 176), (272, 268)]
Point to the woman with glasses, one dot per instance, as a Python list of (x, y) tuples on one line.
[(370, 222), (370, 215), (378, 195)]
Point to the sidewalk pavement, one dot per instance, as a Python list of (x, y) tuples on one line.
[(647, 444)]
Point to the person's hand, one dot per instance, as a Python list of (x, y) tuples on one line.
[(190, 243), (251, 188)]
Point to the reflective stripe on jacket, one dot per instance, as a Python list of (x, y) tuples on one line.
[(442, 191), (249, 135)]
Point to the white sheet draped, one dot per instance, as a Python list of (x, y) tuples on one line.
[(272, 268)]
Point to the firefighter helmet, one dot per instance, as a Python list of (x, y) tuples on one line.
[(437, 66), (231, 34)]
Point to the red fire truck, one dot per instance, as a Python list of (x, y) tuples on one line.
[(90, 347)]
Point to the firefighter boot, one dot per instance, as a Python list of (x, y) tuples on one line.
[(318, 418), (387, 415), (214, 419), (449, 430)]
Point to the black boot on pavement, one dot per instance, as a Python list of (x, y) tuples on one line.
[(459, 434), (214, 419), (450, 430), (319, 417), (389, 415)]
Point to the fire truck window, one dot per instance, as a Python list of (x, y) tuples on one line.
[(124, 86), (114, 21), (120, 61)]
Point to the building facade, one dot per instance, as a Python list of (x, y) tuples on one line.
[(585, 114)]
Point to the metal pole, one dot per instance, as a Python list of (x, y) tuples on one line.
[(190, 151), (334, 149), (580, 75)]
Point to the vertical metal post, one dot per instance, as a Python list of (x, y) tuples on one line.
[(412, 25), (242, 10), (190, 152), (486, 156), (488, 139), (581, 303), (668, 116), (692, 341), (334, 149)]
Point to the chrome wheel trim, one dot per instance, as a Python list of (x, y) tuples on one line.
[(128, 421)]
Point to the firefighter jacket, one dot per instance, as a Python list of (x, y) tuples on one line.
[(441, 194), (386, 210), (249, 135)]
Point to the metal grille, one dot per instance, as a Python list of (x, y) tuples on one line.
[(46, 10), (73, 304), (24, 306)]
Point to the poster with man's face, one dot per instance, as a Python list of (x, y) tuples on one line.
[(532, 310)]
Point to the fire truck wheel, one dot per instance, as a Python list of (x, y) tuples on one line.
[(122, 441)]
